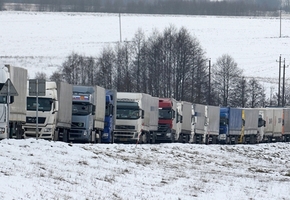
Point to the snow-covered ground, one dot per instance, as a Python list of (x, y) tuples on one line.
[(38, 169), (41, 42)]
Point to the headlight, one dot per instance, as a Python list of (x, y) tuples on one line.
[(85, 133), (2, 130), (105, 135), (47, 130), (168, 134)]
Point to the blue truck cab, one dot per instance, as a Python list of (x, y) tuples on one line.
[(231, 125), (110, 117)]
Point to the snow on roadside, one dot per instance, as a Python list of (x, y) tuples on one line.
[(39, 169)]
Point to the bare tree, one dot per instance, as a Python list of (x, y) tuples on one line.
[(106, 62), (71, 69), (40, 75), (56, 76), (256, 94), (239, 95), (226, 73), (139, 63), (123, 73)]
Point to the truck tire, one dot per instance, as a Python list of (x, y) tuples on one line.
[(56, 136), (112, 137), (99, 139), (93, 137), (214, 139)]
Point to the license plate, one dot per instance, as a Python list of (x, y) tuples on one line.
[(123, 139)]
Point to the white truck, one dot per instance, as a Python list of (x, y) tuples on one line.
[(278, 124), (17, 106), (54, 112), (266, 124), (286, 124), (213, 124), (185, 110), (201, 124), (88, 113), (250, 130), (137, 117)]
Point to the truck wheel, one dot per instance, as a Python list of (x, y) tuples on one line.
[(180, 138), (56, 136), (214, 139), (153, 141), (172, 137), (99, 138), (112, 138)]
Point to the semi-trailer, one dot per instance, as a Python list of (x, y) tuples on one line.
[(12, 108), (231, 125)]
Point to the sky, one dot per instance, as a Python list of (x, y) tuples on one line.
[(39, 169), (41, 41)]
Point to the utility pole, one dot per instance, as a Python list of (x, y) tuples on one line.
[(120, 27), (209, 76), (280, 21), (243, 91), (283, 89), (279, 81), (271, 95)]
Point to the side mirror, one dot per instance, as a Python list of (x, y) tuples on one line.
[(264, 123), (143, 113), (11, 99)]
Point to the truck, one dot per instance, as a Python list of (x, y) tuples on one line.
[(185, 110), (207, 124), (213, 124), (231, 125), (249, 133), (200, 129), (168, 121), (110, 116), (88, 114), (13, 108), (133, 123), (266, 124), (286, 125), (53, 112), (278, 125), (193, 122), (154, 117)]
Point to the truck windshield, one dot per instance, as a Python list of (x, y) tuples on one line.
[(81, 109), (223, 121), (44, 104), (128, 113), (165, 114), (3, 99), (261, 122)]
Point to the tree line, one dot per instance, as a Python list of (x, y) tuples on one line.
[(171, 63), (183, 7)]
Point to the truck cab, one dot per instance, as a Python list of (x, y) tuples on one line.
[(231, 125), (133, 123), (3, 103), (110, 117), (47, 107), (167, 122), (88, 113)]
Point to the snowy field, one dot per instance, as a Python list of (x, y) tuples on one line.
[(38, 169), (41, 42)]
